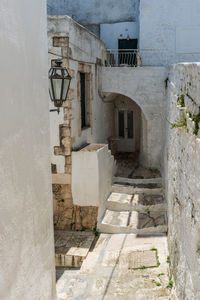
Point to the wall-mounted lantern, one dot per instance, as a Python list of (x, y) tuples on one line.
[(59, 83)]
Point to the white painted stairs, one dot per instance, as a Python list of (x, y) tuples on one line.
[(135, 206)]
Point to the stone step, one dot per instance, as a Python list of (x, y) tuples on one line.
[(133, 222), (130, 189), (138, 202), (153, 294), (137, 181), (72, 247)]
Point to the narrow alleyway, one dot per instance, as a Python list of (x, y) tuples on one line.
[(122, 266), (130, 259)]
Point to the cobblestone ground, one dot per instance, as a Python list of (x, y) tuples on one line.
[(121, 266)]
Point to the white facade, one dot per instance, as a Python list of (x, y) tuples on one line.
[(112, 33), (26, 225), (169, 31), (109, 19), (146, 87)]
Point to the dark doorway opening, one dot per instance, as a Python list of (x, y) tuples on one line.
[(127, 52)]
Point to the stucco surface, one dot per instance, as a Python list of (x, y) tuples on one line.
[(146, 86), (95, 11), (169, 31), (182, 161), (26, 226), (92, 173), (111, 33)]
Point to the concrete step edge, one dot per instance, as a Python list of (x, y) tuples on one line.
[(105, 228), (137, 181), (116, 206), (131, 190)]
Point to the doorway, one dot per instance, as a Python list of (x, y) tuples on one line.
[(127, 53), (125, 130)]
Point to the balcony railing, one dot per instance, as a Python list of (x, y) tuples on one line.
[(122, 58)]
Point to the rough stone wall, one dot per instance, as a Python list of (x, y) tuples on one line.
[(26, 217), (182, 170)]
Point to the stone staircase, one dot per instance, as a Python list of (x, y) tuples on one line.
[(135, 206)]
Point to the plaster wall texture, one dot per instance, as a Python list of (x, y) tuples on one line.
[(111, 33), (92, 171), (26, 225), (95, 11), (84, 47), (108, 19), (83, 53), (145, 86), (169, 31), (182, 161)]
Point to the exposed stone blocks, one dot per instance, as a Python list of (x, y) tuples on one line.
[(66, 215), (69, 216), (85, 217)]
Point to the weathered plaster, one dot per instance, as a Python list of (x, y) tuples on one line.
[(83, 51), (145, 86), (169, 31), (182, 161), (26, 225), (95, 12), (92, 172)]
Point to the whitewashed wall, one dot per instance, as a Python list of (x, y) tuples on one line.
[(108, 19), (169, 31), (182, 172), (92, 172), (145, 86), (85, 47), (111, 33), (26, 226)]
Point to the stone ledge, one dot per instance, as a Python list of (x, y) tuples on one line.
[(61, 178)]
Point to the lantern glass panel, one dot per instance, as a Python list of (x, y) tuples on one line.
[(57, 85), (50, 90), (66, 83), (58, 72)]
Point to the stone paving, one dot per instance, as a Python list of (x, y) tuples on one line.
[(72, 247), (117, 268)]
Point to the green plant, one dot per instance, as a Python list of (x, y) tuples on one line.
[(96, 233), (174, 179), (161, 274), (143, 268), (196, 120), (181, 100), (158, 283), (170, 283), (168, 259), (157, 257), (189, 114), (180, 123)]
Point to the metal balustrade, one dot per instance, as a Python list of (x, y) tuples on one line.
[(122, 58)]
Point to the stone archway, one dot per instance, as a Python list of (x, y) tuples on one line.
[(128, 134)]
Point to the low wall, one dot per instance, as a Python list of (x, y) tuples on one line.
[(92, 170), (182, 169)]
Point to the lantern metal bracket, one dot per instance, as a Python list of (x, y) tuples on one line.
[(56, 109)]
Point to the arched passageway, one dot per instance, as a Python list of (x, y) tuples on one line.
[(127, 134)]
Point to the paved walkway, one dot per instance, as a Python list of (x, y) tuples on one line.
[(117, 268)]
